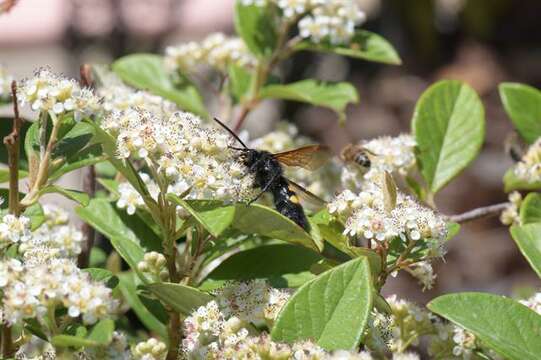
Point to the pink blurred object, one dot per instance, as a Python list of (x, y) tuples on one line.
[(34, 21), (204, 16)]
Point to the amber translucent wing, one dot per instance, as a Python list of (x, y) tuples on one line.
[(309, 157), (305, 195)]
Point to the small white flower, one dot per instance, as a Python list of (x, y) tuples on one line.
[(529, 167)]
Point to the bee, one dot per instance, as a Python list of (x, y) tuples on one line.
[(269, 175), (357, 154)]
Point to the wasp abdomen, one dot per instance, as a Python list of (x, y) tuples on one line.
[(287, 203)]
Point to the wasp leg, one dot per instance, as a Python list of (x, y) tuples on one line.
[(265, 188)]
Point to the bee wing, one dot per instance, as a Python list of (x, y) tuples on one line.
[(305, 195), (309, 157)]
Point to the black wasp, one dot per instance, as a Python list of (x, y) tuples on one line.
[(269, 175)]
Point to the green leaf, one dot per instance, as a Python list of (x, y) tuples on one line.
[(181, 298), (78, 196), (239, 82), (364, 45), (280, 264), (102, 332), (453, 229), (512, 182), (4, 175), (506, 326), (74, 140), (530, 209), (102, 275), (6, 126), (449, 127), (335, 96), (256, 25), (90, 155), (36, 215), (261, 220), (72, 341), (128, 288), (147, 72), (332, 309), (102, 216), (528, 239), (213, 215), (523, 105)]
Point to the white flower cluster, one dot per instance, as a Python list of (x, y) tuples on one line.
[(150, 349), (534, 302), (55, 238), (210, 334), (510, 216), (14, 229), (30, 290), (116, 96), (154, 263), (49, 92), (367, 217), (392, 154), (252, 301), (320, 20), (216, 51), (221, 329), (321, 182), (130, 199), (529, 167), (5, 84), (35, 348), (182, 150), (329, 20)]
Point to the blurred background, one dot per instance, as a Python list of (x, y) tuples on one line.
[(481, 42)]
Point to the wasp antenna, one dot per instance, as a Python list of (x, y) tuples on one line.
[(231, 132)]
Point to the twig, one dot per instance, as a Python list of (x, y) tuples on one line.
[(242, 116), (89, 185), (478, 213), (12, 142), (7, 5)]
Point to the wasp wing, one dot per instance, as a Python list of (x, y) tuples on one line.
[(309, 157), (310, 198)]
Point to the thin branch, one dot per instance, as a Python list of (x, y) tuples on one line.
[(89, 185), (482, 212), (12, 142)]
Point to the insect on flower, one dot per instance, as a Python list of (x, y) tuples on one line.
[(268, 172), (357, 154)]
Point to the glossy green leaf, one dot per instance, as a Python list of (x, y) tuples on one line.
[(332, 309), (74, 140), (280, 264), (72, 341), (523, 105), (147, 72), (528, 239), (256, 26), (78, 196), (506, 326), (130, 244), (449, 128), (530, 209), (262, 220), (181, 298), (512, 182), (453, 229), (90, 155), (128, 288), (364, 45), (213, 215), (335, 96)]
